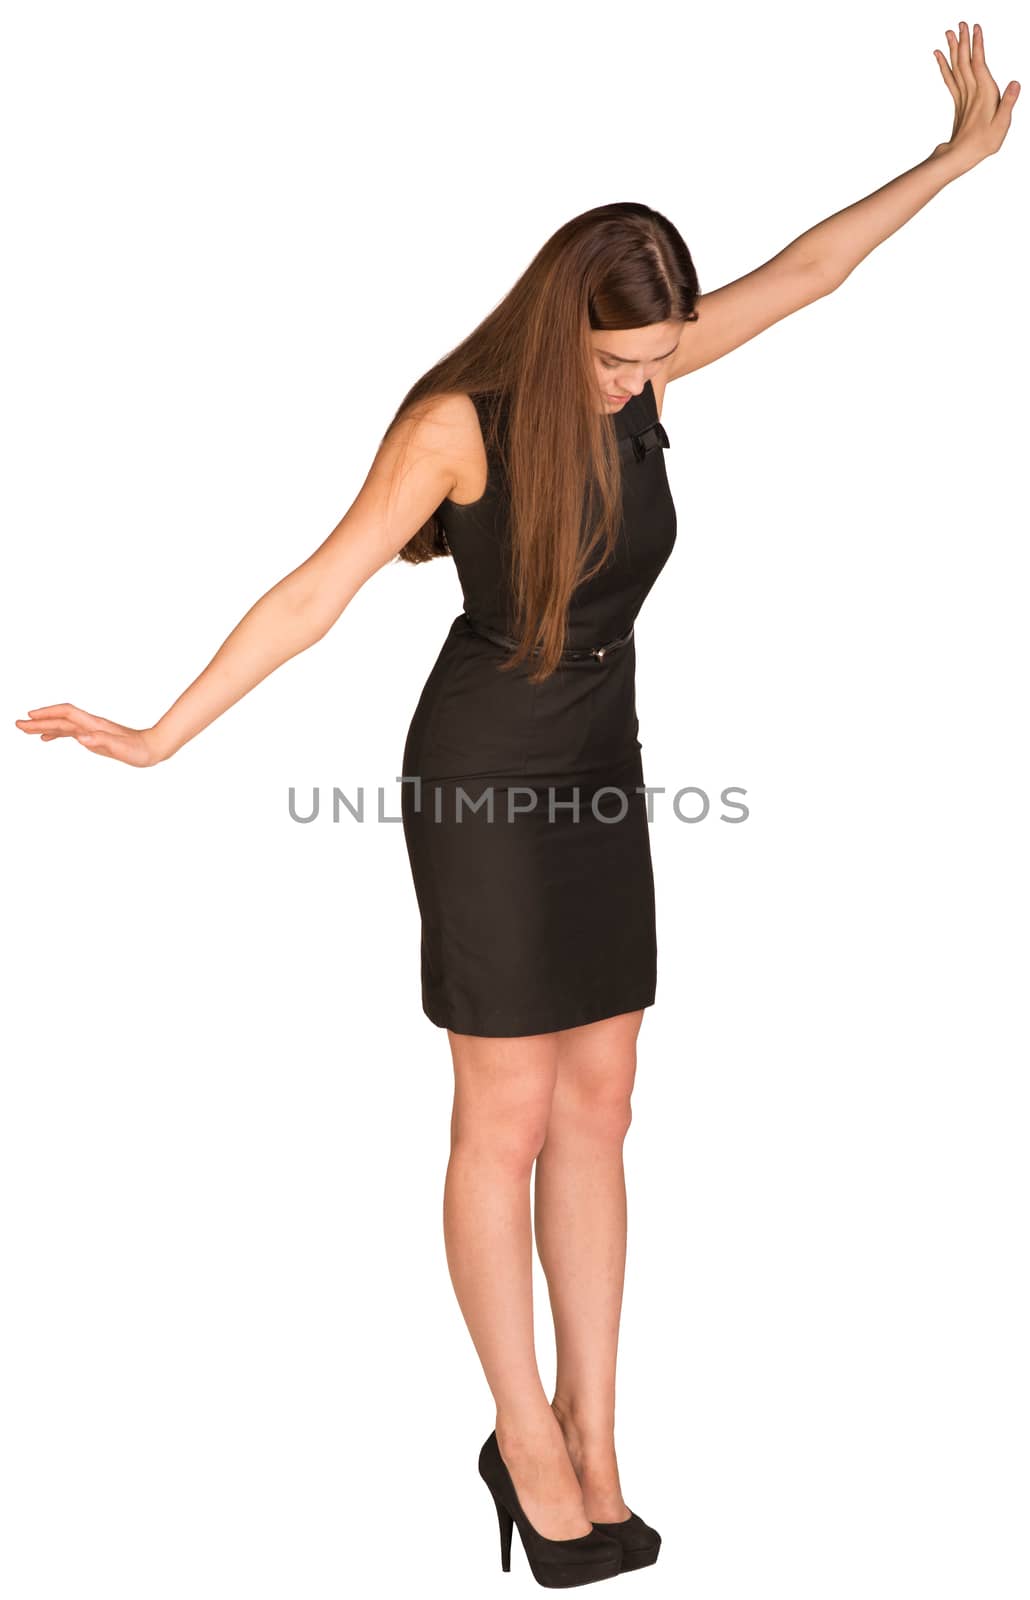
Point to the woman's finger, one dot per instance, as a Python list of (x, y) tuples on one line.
[(66, 709), (37, 720), (1003, 115), (50, 725), (965, 65), (946, 74), (68, 719), (981, 72)]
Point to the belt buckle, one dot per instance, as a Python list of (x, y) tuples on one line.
[(599, 651)]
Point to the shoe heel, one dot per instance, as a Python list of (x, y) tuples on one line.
[(554, 1563), (506, 1523)]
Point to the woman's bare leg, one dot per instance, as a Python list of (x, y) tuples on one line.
[(580, 1209), (502, 1102)]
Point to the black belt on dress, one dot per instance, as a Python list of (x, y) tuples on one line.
[(584, 654)]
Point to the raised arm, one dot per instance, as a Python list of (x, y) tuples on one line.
[(412, 472), (820, 259)]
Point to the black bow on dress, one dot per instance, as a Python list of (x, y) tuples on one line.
[(653, 437)]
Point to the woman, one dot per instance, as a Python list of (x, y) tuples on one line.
[(538, 939)]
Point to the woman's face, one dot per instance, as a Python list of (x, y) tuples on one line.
[(625, 358)]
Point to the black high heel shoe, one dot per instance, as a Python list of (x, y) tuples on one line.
[(555, 1563), (640, 1544)]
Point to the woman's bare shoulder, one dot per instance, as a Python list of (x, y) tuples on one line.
[(449, 424)]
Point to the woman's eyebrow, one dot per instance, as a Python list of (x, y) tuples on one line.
[(631, 359)]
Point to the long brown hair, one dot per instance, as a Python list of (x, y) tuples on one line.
[(617, 266)]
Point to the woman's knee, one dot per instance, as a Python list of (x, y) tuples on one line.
[(598, 1107), (596, 1073), (503, 1090)]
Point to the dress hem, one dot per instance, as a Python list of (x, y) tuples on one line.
[(512, 1030)]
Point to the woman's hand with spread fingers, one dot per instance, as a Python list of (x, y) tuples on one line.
[(982, 116), (135, 746)]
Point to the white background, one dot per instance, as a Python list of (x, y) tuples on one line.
[(234, 237)]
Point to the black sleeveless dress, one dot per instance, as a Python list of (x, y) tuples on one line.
[(537, 908)]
